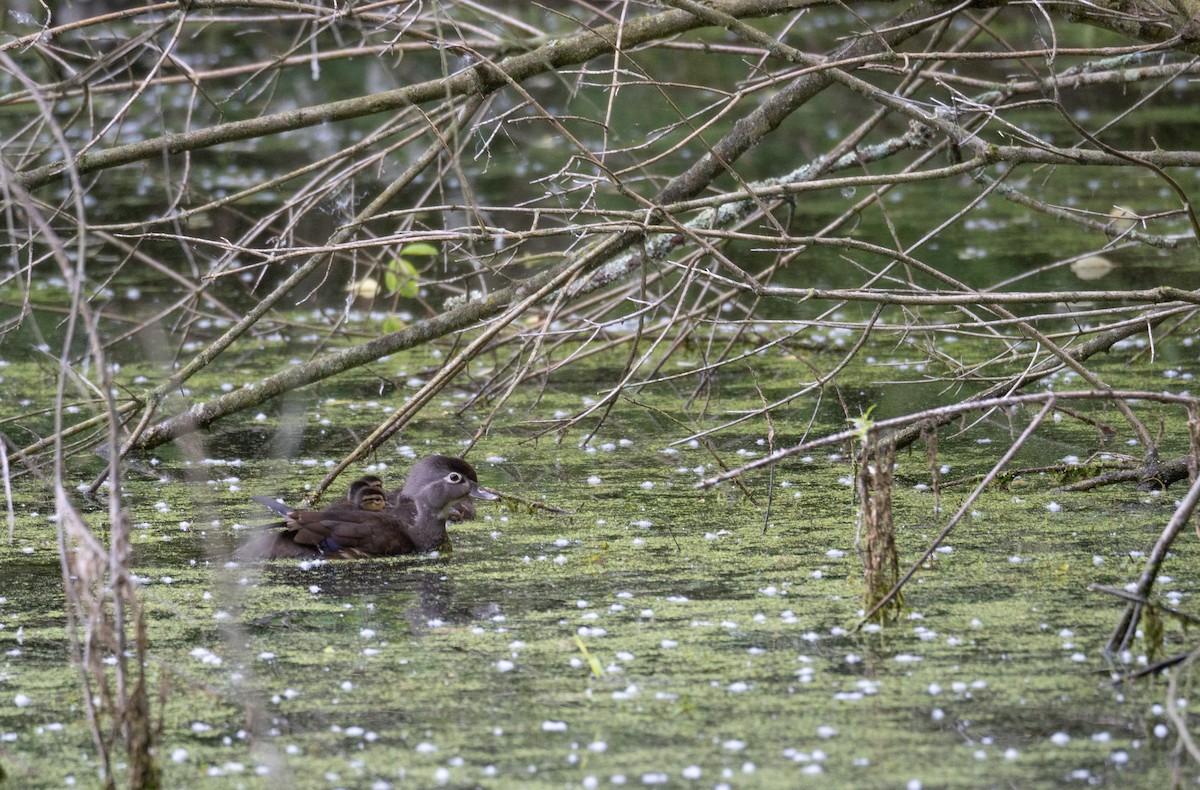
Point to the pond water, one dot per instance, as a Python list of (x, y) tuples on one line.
[(657, 633)]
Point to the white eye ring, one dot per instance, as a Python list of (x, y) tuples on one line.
[(454, 478)]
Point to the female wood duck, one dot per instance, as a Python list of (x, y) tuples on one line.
[(368, 525)]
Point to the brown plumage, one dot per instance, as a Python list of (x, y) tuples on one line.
[(372, 525)]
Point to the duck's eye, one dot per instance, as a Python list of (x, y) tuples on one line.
[(454, 478)]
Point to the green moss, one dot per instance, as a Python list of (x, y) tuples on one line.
[(725, 651)]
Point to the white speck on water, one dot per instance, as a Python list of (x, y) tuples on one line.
[(643, 523), (1161, 731), (913, 784), (1060, 739), (1053, 507), (934, 689), (826, 732), (834, 554), (691, 772), (1015, 560), (598, 747), (266, 656), (655, 778), (907, 658), (504, 665), (367, 633), (647, 485), (739, 687), (937, 714), (677, 598), (554, 726), (593, 480), (669, 644), (1120, 757), (179, 755), (206, 656), (22, 701), (425, 747)]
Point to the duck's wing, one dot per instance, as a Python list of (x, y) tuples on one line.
[(350, 533)]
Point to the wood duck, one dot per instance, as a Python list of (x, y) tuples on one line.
[(459, 511), (371, 526)]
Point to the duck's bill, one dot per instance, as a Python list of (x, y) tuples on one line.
[(479, 492)]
